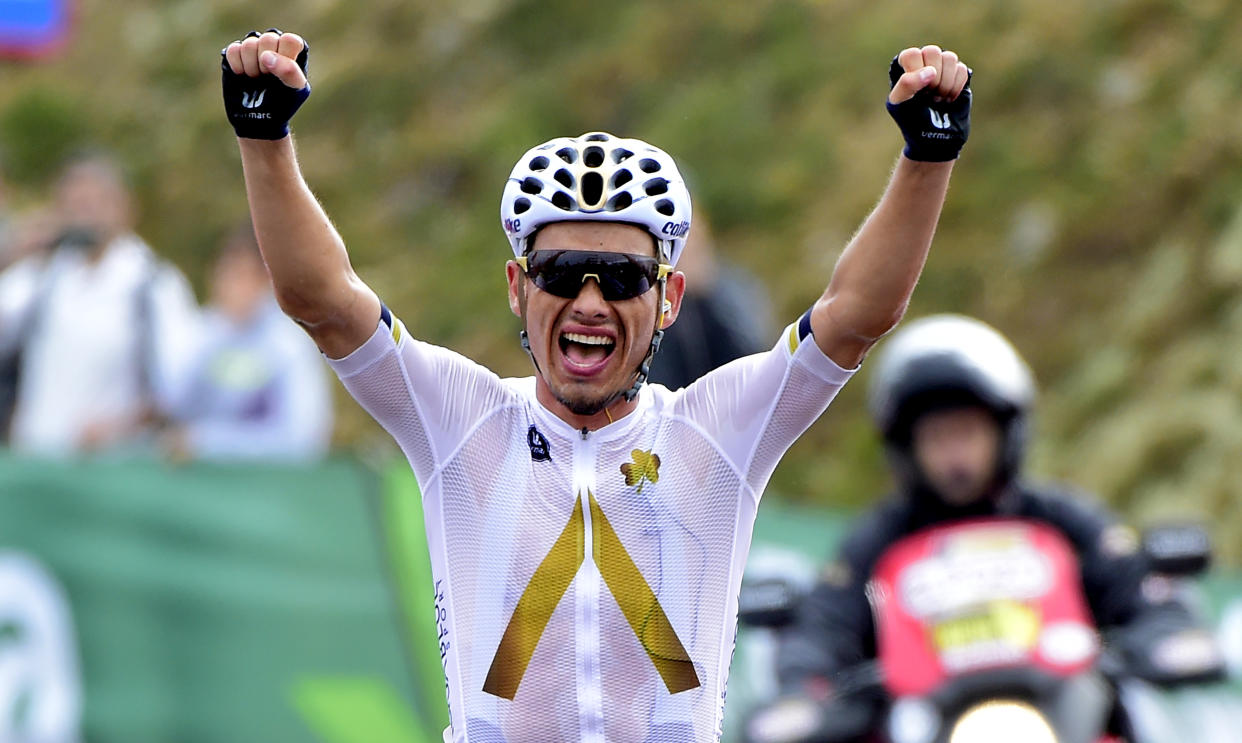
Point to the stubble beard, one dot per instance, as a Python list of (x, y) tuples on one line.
[(585, 406)]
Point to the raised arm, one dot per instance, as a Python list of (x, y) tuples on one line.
[(264, 83), (875, 276)]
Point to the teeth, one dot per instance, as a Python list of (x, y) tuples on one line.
[(588, 340)]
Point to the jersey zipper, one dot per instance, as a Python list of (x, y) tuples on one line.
[(586, 603)]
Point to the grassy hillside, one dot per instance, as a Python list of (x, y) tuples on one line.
[(1094, 217)]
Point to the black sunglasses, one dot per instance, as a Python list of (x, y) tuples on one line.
[(619, 275)]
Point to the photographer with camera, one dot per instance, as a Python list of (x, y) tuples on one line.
[(92, 327)]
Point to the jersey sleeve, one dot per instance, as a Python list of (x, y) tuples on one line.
[(756, 407), (427, 397)]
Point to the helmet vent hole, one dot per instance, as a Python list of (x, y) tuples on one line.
[(648, 165), (520, 206), (596, 137), (539, 163), (568, 154), (621, 177), (532, 185), (561, 200), (619, 201), (656, 186), (621, 154), (565, 178), (592, 187), (665, 207), (593, 157)]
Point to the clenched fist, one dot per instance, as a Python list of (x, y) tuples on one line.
[(264, 80), (930, 100)]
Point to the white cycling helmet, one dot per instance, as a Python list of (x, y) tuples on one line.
[(597, 177)]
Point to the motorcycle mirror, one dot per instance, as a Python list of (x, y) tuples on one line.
[(768, 602), (1179, 550)]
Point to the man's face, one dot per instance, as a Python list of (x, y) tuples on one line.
[(957, 450), (239, 283), (90, 197), (587, 348)]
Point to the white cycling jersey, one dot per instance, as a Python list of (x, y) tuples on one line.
[(586, 583)]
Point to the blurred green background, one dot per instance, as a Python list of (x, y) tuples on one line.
[(1094, 217)]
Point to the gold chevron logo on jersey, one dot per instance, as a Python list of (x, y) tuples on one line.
[(640, 606), (534, 609), (551, 580)]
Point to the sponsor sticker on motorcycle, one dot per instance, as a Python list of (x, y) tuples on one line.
[(1004, 632), (972, 596), (971, 572)]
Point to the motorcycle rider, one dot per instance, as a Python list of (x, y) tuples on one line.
[(952, 399)]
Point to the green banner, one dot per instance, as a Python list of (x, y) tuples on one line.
[(224, 604)]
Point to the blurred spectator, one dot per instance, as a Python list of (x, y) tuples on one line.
[(95, 326), (257, 387), (6, 227), (725, 314)]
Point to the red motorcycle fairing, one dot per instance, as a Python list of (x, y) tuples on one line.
[(979, 595)]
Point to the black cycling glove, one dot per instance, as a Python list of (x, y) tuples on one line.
[(934, 130), (261, 107)]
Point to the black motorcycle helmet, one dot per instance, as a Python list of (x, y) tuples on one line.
[(950, 361)]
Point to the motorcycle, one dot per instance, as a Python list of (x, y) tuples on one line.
[(983, 634)]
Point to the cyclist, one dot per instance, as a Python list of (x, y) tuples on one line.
[(587, 533), (951, 398)]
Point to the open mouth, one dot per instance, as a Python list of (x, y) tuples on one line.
[(584, 352)]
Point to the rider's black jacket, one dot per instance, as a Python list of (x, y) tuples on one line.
[(833, 628)]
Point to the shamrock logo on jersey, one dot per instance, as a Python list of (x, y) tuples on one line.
[(645, 468)]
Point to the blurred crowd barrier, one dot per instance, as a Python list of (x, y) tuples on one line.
[(145, 602), (141, 602)]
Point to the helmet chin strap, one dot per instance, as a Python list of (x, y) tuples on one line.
[(644, 368), (665, 250), (524, 338)]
